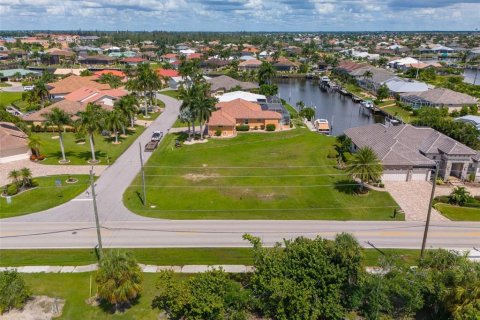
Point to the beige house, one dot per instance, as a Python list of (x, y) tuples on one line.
[(238, 112), (13, 143)]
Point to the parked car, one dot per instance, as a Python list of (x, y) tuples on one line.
[(157, 136), (28, 88)]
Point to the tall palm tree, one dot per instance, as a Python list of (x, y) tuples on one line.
[(368, 75), (14, 175), (40, 91), (189, 103), (118, 278), (26, 175), (144, 81), (91, 120), (58, 118), (129, 106), (205, 105), (34, 143), (365, 166), (116, 121), (266, 73)]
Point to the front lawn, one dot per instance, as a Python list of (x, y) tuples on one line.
[(45, 196), (283, 175), (457, 213), (6, 98), (399, 112), (171, 93), (105, 150)]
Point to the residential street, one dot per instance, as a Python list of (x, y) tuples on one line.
[(72, 225)]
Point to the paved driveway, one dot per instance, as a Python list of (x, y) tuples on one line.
[(413, 197)]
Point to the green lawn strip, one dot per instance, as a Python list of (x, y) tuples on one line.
[(152, 115), (46, 195), (80, 153), (75, 289), (293, 112), (180, 124), (283, 175), (457, 213), (169, 256), (171, 93), (400, 112), (155, 256), (6, 98)]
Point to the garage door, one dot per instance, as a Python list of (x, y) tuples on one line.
[(395, 175), (420, 175)]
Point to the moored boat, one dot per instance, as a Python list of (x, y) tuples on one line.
[(322, 126)]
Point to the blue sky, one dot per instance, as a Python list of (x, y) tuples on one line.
[(240, 15)]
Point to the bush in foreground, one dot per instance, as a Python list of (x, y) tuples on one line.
[(13, 291)]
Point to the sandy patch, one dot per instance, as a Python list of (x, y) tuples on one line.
[(199, 177), (38, 308)]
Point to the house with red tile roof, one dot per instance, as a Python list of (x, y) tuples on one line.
[(133, 61), (194, 56), (169, 57), (88, 94), (252, 64), (117, 73), (61, 88), (229, 115), (167, 73)]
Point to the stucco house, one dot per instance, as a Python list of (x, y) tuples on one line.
[(13, 143), (231, 114), (410, 153), (438, 97)]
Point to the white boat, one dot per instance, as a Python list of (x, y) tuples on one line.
[(322, 126), (367, 104), (325, 79)]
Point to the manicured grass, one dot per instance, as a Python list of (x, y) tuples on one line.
[(155, 256), (180, 124), (457, 213), (282, 175), (80, 153), (169, 256), (6, 98), (171, 93), (75, 289), (400, 112), (46, 195)]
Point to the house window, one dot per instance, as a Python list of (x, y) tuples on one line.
[(245, 121)]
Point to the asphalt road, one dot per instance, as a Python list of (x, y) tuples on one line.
[(72, 225)]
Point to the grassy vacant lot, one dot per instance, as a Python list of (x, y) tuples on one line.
[(400, 112), (6, 98), (457, 213), (167, 256), (171, 93), (283, 175), (75, 288), (46, 195), (80, 153)]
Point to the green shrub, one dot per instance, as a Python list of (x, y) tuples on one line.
[(271, 127), (255, 128), (243, 127), (13, 291), (218, 133), (12, 189), (331, 155), (262, 127)]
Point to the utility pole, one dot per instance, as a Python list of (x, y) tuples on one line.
[(429, 213), (95, 211), (143, 176)]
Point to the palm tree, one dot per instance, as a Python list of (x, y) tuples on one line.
[(34, 143), (189, 104), (40, 91), (368, 75), (205, 106), (460, 196), (14, 175), (129, 106), (58, 118), (116, 120), (144, 81), (118, 278), (365, 166), (110, 79), (91, 120), (26, 175), (266, 73)]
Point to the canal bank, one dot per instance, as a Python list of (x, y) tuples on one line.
[(338, 109)]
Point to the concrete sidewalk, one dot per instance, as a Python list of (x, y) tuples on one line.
[(145, 268)]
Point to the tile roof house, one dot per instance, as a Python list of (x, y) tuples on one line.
[(13, 143), (168, 73), (222, 84), (252, 64), (237, 112), (410, 153), (438, 97), (88, 94), (113, 72), (71, 83)]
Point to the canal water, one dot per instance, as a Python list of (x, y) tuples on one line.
[(339, 110)]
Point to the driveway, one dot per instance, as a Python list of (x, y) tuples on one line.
[(413, 197)]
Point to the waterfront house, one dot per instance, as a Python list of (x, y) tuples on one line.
[(410, 153), (238, 112), (71, 83), (401, 85), (438, 97), (99, 59), (244, 95), (223, 84), (252, 64)]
